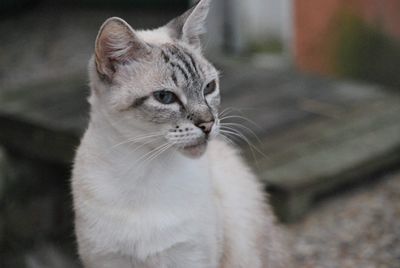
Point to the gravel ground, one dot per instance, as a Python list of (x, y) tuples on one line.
[(360, 228), (357, 229)]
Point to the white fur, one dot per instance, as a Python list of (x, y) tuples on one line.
[(174, 212), (157, 36), (171, 212), (135, 210)]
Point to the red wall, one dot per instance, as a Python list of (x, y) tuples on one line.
[(314, 24)]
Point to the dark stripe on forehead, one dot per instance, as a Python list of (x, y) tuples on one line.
[(179, 67), (184, 57), (193, 62), (184, 60), (174, 78), (167, 60), (165, 56), (180, 59)]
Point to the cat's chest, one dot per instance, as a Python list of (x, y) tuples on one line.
[(177, 183), (169, 205)]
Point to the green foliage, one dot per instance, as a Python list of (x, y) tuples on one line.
[(363, 51), (268, 46)]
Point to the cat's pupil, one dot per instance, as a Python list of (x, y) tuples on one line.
[(165, 97)]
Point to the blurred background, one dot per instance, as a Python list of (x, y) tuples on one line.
[(312, 88)]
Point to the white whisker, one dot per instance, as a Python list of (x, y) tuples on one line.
[(240, 117), (225, 111), (149, 154), (137, 139), (235, 132), (227, 139), (159, 153), (244, 127)]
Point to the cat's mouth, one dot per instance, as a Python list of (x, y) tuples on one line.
[(196, 150)]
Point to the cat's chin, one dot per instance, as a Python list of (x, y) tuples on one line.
[(195, 151)]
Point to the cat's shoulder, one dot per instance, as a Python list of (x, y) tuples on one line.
[(225, 155)]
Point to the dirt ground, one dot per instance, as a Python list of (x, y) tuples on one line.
[(360, 228)]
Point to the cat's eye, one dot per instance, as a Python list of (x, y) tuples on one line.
[(165, 97), (210, 88)]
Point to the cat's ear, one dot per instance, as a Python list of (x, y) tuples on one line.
[(116, 44), (191, 25)]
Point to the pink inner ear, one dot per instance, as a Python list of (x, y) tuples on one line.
[(117, 43), (111, 50)]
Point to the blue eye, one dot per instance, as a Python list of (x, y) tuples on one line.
[(165, 97), (210, 88)]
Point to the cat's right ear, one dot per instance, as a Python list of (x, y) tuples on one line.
[(191, 25), (117, 44)]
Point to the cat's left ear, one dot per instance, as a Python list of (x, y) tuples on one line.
[(191, 25), (116, 44)]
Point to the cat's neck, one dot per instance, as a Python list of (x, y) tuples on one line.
[(116, 147), (127, 178)]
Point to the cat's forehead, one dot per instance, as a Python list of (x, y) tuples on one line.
[(186, 62), (186, 68), (172, 66)]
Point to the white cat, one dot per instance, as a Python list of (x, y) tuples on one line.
[(153, 185)]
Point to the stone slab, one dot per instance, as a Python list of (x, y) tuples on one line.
[(315, 133)]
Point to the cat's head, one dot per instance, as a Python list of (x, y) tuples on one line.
[(157, 83)]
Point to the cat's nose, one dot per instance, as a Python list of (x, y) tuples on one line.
[(206, 126)]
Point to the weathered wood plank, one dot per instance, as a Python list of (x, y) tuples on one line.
[(316, 133), (59, 105), (44, 120), (325, 155)]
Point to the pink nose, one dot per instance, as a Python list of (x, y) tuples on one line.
[(206, 126)]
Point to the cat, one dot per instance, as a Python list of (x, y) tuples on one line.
[(153, 184)]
